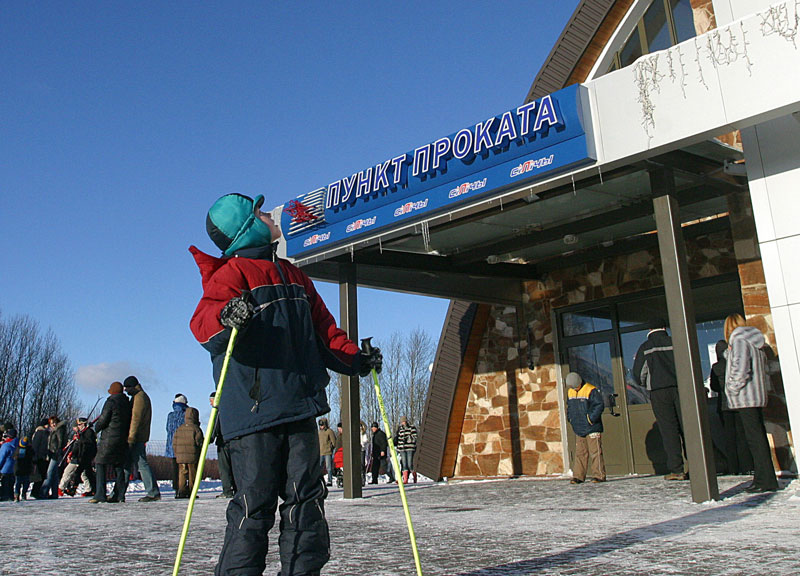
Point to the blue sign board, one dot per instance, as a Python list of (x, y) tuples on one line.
[(517, 147)]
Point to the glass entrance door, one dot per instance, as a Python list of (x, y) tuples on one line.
[(594, 361)]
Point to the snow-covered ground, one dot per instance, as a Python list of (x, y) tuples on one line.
[(631, 525)]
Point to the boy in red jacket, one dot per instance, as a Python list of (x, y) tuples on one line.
[(274, 388)]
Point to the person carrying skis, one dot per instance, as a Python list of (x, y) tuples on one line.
[(274, 388)]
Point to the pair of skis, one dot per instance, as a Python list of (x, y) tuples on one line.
[(366, 347)]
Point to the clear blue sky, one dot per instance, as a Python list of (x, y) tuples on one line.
[(121, 122)]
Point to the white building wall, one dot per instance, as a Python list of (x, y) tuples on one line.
[(772, 153)]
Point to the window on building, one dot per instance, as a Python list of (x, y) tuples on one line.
[(664, 24)]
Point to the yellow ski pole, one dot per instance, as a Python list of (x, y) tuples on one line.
[(366, 347), (200, 465)]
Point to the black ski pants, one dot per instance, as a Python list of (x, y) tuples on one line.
[(282, 461), (667, 410), (756, 434)]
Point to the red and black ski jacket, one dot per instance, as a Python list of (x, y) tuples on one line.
[(277, 372)]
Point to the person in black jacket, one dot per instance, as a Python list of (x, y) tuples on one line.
[(584, 411), (113, 425), (737, 454), (80, 453), (654, 368), (23, 468), (39, 445), (380, 451), (55, 447)]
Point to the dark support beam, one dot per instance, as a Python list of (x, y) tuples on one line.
[(680, 306), (351, 397)]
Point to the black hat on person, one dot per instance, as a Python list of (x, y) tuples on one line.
[(657, 324), (130, 382), (374, 425)]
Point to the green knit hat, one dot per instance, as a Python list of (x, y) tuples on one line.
[(232, 224)]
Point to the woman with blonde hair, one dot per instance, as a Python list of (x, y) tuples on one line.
[(746, 391)]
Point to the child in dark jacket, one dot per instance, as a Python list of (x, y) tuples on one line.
[(187, 444), (584, 411), (23, 468)]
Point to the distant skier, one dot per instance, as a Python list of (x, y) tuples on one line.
[(275, 387)]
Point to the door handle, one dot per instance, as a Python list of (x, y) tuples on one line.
[(612, 404)]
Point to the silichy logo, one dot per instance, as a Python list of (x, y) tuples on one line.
[(411, 207), (532, 165), (316, 239), (361, 223), (467, 187)]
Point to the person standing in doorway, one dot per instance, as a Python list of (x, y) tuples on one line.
[(654, 369), (223, 457), (746, 390), (174, 420), (585, 414), (406, 436), (737, 454), (138, 436)]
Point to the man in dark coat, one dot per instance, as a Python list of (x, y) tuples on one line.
[(380, 452), (654, 368), (112, 425), (55, 447), (274, 389), (39, 445)]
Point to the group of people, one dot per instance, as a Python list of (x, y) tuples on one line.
[(739, 377), (58, 464), (375, 457)]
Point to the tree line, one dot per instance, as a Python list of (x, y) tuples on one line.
[(404, 381), (36, 376)]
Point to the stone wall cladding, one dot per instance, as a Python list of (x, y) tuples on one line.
[(487, 439)]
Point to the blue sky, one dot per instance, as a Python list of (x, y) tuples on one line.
[(121, 123)]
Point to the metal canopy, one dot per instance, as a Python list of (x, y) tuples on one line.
[(485, 253)]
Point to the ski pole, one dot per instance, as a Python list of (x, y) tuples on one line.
[(201, 464), (366, 347)]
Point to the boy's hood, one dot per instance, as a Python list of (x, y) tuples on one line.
[(192, 416), (209, 264)]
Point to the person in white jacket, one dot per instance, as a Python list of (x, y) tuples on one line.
[(746, 391)]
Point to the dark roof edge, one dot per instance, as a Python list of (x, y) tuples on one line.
[(580, 29)]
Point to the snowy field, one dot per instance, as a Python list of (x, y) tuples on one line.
[(631, 525)]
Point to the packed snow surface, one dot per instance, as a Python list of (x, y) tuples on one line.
[(630, 525)]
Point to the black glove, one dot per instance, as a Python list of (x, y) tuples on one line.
[(238, 311), (370, 360)]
